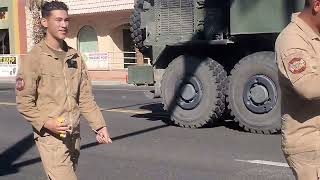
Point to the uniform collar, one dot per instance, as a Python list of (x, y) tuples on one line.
[(45, 49), (304, 26)]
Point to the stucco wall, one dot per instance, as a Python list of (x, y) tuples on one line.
[(109, 31)]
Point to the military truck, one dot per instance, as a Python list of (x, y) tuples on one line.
[(214, 56)]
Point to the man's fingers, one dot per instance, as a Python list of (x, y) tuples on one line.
[(63, 125), (62, 132), (103, 136), (99, 139), (107, 140), (63, 128), (103, 139)]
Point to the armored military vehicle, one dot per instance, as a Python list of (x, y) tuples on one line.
[(214, 56)]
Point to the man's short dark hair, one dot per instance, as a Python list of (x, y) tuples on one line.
[(308, 3), (53, 5)]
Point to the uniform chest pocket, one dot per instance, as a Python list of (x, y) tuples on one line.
[(52, 84), (53, 77), (313, 66), (52, 73), (73, 80)]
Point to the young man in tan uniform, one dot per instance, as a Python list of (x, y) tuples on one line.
[(52, 89), (298, 58)]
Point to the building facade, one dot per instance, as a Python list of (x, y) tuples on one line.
[(100, 29), (12, 27)]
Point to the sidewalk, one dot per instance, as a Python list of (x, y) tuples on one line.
[(115, 77)]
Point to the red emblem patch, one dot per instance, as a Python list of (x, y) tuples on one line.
[(19, 83), (297, 65)]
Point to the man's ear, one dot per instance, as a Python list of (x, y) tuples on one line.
[(316, 6), (44, 22)]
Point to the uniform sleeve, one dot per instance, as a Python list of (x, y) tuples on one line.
[(26, 93), (301, 67), (88, 107)]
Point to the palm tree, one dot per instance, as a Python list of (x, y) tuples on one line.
[(34, 6)]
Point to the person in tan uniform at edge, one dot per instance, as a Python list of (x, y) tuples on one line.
[(52, 84), (298, 58)]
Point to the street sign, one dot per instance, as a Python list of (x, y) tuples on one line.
[(8, 65), (96, 60)]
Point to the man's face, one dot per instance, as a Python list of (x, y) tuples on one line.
[(57, 24)]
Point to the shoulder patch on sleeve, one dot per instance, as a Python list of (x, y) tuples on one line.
[(19, 83), (297, 65)]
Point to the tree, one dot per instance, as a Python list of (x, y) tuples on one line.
[(37, 30)]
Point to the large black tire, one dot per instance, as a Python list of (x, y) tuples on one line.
[(254, 93), (135, 23), (205, 80)]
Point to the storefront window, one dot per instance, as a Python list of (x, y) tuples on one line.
[(3, 13), (128, 48), (4, 41), (87, 39)]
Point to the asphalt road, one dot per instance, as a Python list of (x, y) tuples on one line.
[(144, 147)]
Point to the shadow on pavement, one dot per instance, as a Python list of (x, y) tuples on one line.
[(12, 154), (159, 114), (128, 106), (125, 136)]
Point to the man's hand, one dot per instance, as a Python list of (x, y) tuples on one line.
[(56, 127), (103, 136)]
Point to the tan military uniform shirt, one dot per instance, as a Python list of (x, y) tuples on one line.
[(298, 58), (48, 87)]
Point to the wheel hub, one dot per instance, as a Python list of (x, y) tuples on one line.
[(260, 94), (190, 93)]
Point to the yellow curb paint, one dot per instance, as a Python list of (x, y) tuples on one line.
[(119, 110)]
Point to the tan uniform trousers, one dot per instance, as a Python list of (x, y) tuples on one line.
[(59, 156), (305, 166)]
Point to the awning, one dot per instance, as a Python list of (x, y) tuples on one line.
[(97, 6)]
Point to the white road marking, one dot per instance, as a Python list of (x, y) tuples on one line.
[(269, 163), (8, 104), (5, 91), (121, 110), (130, 111)]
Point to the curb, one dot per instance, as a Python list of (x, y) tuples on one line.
[(8, 80), (106, 83), (93, 82)]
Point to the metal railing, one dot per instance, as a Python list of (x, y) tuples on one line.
[(129, 58), (111, 60), (101, 61)]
